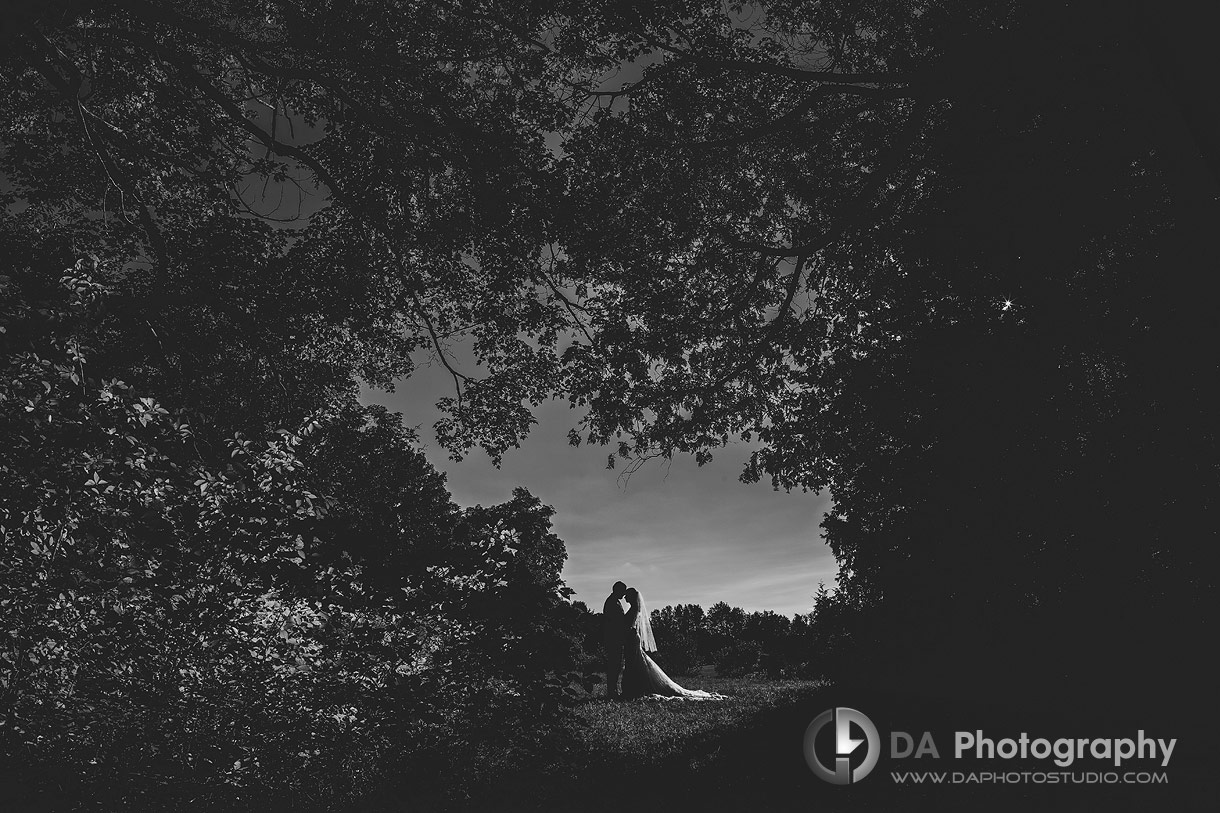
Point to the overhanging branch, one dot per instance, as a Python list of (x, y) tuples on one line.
[(851, 214), (45, 58)]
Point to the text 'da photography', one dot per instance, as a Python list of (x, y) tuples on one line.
[(601, 405)]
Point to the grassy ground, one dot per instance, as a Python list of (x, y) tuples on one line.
[(745, 753), (646, 733), (732, 754)]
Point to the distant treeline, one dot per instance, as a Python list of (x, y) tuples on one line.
[(739, 643)]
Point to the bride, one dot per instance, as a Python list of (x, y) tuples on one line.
[(641, 676)]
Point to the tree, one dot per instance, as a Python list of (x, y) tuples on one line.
[(905, 247), (721, 627), (909, 250), (167, 138), (523, 606), (678, 631), (157, 105), (392, 510)]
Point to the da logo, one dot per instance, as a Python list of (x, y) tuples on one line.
[(845, 745)]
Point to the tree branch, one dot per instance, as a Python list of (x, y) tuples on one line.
[(567, 303), (793, 72), (45, 57), (794, 282), (233, 111), (458, 377), (794, 116), (627, 90), (860, 206)]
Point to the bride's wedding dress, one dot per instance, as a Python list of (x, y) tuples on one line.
[(641, 675)]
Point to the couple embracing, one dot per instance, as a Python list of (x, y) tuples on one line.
[(628, 640)]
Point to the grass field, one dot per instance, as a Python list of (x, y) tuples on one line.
[(658, 754), (645, 735), (745, 753)]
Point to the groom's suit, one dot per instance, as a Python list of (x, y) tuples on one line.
[(615, 635)]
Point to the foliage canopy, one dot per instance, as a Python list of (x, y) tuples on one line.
[(942, 261)]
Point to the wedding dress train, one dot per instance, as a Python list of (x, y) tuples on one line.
[(643, 678), (641, 675)]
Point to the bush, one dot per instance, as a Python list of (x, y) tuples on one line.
[(187, 625), (677, 658), (738, 659)]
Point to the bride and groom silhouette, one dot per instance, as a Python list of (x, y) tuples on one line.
[(628, 640)]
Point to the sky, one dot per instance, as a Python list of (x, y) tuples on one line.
[(679, 533)]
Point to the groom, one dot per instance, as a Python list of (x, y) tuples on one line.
[(614, 636)]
